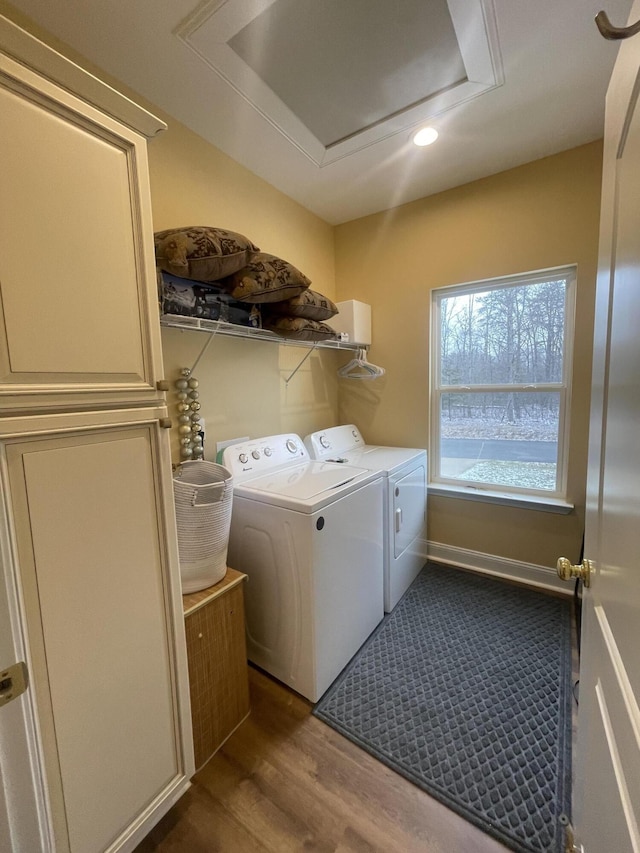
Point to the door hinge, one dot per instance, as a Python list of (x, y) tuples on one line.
[(14, 680)]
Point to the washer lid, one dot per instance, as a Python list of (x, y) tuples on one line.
[(304, 487)]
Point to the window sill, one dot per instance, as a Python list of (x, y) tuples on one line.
[(539, 503)]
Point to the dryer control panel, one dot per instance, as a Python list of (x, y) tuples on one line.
[(334, 441), (261, 455)]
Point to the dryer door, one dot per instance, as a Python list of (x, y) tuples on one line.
[(409, 500)]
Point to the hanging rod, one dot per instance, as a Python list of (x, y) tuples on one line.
[(615, 33)]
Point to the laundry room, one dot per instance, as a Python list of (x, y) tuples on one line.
[(529, 219), (533, 217)]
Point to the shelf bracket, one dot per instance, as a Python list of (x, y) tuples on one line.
[(203, 350), (306, 356)]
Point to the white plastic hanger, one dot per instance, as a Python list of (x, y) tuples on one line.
[(360, 368)]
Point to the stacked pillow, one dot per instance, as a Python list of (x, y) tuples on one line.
[(309, 304), (289, 307), (202, 253), (230, 261), (191, 261), (301, 316)]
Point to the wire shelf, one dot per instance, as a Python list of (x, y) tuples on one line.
[(219, 327)]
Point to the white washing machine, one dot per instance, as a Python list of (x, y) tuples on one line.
[(404, 470), (309, 537)]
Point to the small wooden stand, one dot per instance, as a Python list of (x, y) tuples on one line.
[(217, 654)]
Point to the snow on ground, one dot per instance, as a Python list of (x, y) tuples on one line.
[(524, 475)]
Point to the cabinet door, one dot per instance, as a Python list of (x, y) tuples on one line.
[(218, 675), (78, 304), (96, 567)]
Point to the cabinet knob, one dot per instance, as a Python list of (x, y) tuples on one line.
[(162, 385), (165, 423)]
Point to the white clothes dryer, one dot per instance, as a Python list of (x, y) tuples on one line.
[(309, 537), (404, 472)]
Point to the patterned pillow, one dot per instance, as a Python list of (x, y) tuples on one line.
[(266, 278), (309, 304), (202, 253), (299, 328)]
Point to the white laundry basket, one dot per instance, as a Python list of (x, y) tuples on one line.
[(202, 493)]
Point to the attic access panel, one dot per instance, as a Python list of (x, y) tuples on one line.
[(343, 67), (337, 76)]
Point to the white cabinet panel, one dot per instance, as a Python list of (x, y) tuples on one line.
[(77, 276), (66, 242), (95, 578)]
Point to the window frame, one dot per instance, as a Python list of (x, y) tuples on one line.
[(553, 501)]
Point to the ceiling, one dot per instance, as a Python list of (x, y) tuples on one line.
[(321, 97)]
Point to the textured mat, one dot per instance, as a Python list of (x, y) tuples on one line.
[(465, 689)]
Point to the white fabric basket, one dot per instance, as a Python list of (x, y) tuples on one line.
[(202, 494)]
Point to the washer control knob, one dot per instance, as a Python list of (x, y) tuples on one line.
[(354, 433), (255, 454), (268, 451), (291, 445), (243, 458), (324, 441)]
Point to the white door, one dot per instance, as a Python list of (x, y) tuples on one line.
[(607, 793)]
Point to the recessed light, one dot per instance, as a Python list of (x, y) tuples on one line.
[(425, 136)]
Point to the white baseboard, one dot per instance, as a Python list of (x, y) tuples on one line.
[(501, 567)]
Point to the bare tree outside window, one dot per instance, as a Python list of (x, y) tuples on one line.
[(500, 382)]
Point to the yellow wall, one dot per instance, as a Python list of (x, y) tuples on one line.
[(541, 215)]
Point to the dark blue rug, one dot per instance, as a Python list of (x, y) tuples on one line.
[(465, 689)]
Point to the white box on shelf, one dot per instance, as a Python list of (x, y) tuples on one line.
[(354, 318)]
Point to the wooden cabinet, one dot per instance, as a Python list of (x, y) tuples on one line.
[(218, 675), (90, 592)]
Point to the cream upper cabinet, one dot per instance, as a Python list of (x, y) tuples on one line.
[(78, 303)]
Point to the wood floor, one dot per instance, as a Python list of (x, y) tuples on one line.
[(285, 782)]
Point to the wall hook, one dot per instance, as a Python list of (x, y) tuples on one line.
[(615, 33)]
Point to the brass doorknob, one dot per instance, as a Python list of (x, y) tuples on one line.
[(566, 570)]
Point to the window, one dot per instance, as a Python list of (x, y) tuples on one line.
[(501, 366)]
